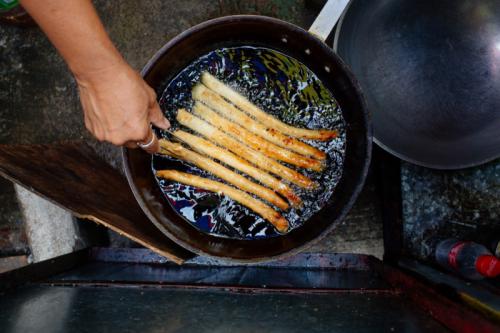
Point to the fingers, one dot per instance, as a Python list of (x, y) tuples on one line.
[(155, 114), (150, 143), (157, 118), (131, 145), (123, 121)]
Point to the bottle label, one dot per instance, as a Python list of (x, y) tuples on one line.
[(452, 256)]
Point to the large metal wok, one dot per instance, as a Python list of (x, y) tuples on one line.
[(295, 42), (431, 74)]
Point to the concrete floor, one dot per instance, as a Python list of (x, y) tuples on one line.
[(39, 101)]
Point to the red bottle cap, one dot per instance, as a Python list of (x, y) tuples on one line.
[(488, 265)]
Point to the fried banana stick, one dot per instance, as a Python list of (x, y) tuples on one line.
[(280, 223), (206, 147), (210, 132), (245, 105), (178, 151), (219, 104), (255, 141)]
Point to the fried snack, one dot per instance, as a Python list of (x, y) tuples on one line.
[(279, 222), (255, 141), (210, 132), (245, 105), (205, 163), (219, 104), (205, 147)]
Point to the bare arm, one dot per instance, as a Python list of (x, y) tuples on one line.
[(118, 105)]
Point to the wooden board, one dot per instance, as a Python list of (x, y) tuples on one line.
[(72, 176)]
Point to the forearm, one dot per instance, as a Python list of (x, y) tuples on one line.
[(77, 32), (118, 105)]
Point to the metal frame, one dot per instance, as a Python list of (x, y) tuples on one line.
[(141, 268)]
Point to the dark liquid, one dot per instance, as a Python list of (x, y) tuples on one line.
[(283, 87)]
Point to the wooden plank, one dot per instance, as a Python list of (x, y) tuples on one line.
[(72, 176)]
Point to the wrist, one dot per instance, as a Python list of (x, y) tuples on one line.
[(99, 71), (100, 59)]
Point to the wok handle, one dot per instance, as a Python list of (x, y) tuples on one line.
[(327, 18)]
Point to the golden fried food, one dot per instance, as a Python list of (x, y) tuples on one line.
[(254, 141), (205, 163), (245, 105), (228, 110), (210, 132), (271, 215), (206, 147)]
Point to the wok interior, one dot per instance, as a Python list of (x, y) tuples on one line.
[(430, 73), (297, 43)]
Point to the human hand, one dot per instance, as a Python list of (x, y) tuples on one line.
[(119, 106)]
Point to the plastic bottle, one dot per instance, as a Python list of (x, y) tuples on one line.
[(471, 260)]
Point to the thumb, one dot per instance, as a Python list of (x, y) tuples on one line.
[(157, 117)]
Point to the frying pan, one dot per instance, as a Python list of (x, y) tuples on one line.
[(431, 74), (293, 41)]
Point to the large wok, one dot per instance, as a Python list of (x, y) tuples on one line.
[(430, 71), (290, 40)]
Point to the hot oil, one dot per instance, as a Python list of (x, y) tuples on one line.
[(285, 88)]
